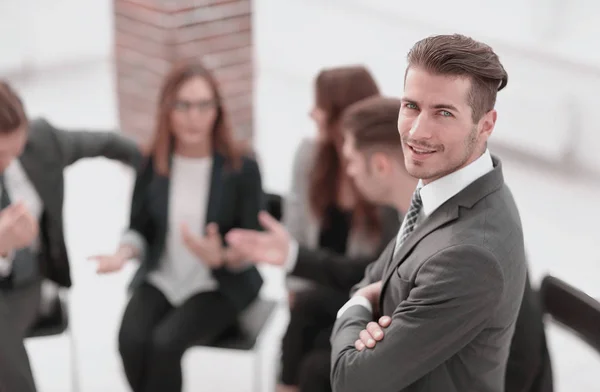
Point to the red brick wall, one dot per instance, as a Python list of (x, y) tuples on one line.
[(152, 34)]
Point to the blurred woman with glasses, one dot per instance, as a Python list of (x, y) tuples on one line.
[(196, 186)]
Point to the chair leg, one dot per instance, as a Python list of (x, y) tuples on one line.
[(258, 376), (75, 387)]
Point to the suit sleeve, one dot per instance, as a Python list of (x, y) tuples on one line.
[(252, 196), (454, 294), (340, 271), (140, 232), (330, 268), (251, 201), (78, 144)]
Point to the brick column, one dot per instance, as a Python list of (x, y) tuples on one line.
[(152, 34)]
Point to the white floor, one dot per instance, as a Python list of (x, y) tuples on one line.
[(560, 215)]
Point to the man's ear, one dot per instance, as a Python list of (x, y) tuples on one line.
[(487, 123), (380, 163)]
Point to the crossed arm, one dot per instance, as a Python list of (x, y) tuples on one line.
[(454, 294)]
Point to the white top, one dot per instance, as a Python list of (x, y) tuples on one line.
[(181, 274), (20, 188), (434, 195)]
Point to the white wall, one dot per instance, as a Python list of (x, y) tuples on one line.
[(546, 110), (36, 33)]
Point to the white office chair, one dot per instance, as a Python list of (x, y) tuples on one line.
[(53, 321)]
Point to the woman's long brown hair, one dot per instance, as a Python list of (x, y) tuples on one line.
[(222, 134), (336, 89)]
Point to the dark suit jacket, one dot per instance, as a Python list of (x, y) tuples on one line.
[(235, 198), (47, 153), (342, 272), (453, 290)]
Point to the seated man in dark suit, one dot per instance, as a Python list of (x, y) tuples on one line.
[(33, 156), (390, 187), (375, 161)]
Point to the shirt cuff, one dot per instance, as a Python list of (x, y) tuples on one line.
[(6, 264), (357, 300), (292, 256), (134, 239)]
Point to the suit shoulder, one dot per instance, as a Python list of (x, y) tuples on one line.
[(41, 127)]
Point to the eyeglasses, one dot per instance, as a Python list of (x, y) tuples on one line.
[(184, 106)]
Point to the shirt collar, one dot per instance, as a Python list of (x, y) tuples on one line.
[(441, 190)]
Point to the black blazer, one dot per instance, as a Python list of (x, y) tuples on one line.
[(234, 200), (342, 272)]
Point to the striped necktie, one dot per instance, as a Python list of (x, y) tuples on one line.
[(410, 219)]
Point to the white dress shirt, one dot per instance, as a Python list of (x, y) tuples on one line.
[(20, 188), (433, 196), (180, 273)]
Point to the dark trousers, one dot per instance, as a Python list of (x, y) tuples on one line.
[(307, 338), (18, 311), (154, 335), (315, 371)]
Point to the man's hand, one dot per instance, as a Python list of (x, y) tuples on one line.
[(209, 248), (270, 246), (372, 293), (369, 337), (18, 228)]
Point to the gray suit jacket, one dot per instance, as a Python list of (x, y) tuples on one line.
[(47, 153), (453, 291)]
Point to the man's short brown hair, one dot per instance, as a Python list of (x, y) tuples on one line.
[(373, 122), (12, 112), (458, 55)]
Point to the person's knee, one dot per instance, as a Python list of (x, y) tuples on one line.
[(165, 344), (130, 341)]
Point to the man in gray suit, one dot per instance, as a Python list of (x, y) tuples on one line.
[(451, 285), (33, 156)]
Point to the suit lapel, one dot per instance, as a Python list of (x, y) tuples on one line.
[(216, 188), (443, 215), (41, 176)]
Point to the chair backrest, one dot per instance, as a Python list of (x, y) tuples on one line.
[(573, 309), (54, 321)]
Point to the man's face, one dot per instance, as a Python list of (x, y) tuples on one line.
[(436, 125), (373, 184), (11, 146)]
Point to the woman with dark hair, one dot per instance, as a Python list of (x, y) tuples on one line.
[(196, 186), (324, 210)]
